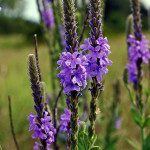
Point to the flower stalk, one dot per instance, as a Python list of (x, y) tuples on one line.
[(71, 46), (95, 23)]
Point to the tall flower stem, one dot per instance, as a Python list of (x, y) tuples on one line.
[(35, 86), (149, 47), (72, 43), (74, 120), (93, 104), (138, 35), (95, 23)]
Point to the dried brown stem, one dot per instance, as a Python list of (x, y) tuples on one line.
[(11, 124), (36, 56)]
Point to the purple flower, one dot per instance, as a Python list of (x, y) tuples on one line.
[(37, 145), (48, 17), (43, 128), (0, 8), (132, 71), (73, 73), (118, 123), (48, 1), (65, 121), (137, 50), (97, 59)]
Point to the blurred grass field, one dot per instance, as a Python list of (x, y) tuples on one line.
[(14, 81)]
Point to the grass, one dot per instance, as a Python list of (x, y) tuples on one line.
[(14, 81)]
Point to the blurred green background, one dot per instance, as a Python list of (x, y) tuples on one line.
[(16, 42)]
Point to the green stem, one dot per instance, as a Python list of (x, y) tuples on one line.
[(74, 120), (92, 116), (142, 137)]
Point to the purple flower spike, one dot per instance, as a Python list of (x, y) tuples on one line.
[(137, 50), (48, 18), (43, 129), (73, 73), (97, 59)]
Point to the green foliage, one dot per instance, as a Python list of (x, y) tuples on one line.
[(84, 143), (13, 5), (147, 143), (136, 117), (95, 148), (9, 25), (147, 122), (132, 144)]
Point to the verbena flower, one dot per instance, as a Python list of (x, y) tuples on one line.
[(43, 129), (97, 58), (48, 17), (73, 73), (137, 50), (65, 122)]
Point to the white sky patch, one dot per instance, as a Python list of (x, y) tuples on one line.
[(146, 3), (31, 11)]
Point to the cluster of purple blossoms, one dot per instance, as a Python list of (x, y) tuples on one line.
[(48, 17), (73, 73), (137, 50), (43, 129), (97, 59), (65, 122)]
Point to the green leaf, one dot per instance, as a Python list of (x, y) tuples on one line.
[(93, 140), (147, 143), (136, 117), (95, 148), (132, 144), (83, 142), (147, 122)]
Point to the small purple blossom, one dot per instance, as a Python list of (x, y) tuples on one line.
[(73, 73), (0, 9), (43, 129), (48, 17), (97, 59), (37, 145), (118, 123), (137, 50), (48, 1), (65, 121)]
